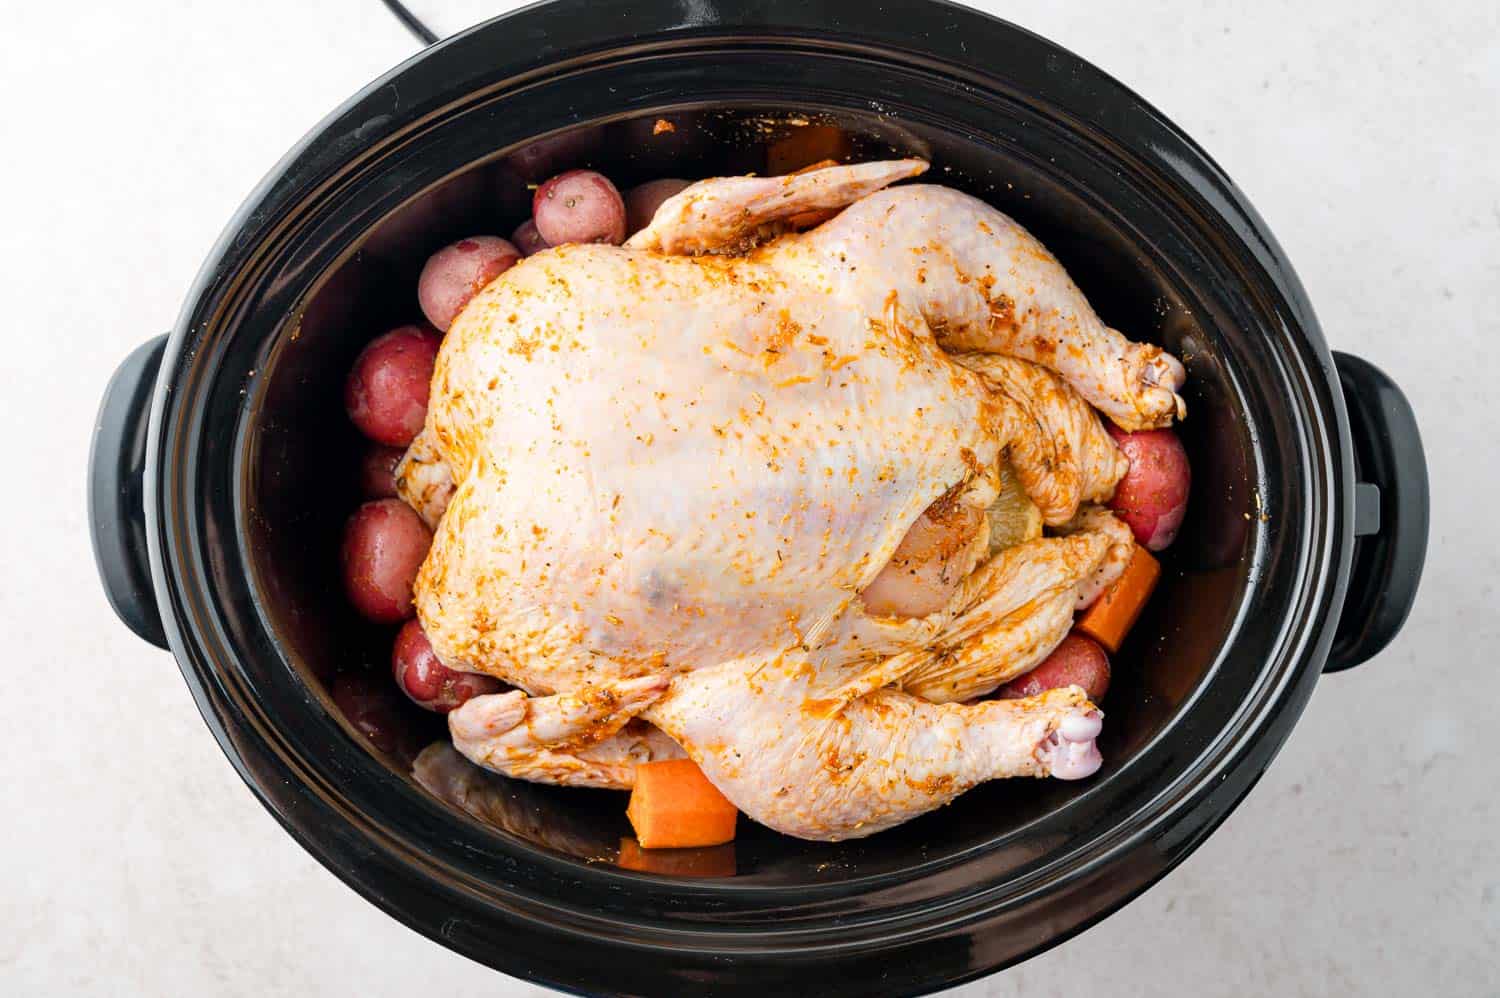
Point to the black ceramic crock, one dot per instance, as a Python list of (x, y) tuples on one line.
[(223, 466)]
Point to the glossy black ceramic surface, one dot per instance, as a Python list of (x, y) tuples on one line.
[(249, 468)]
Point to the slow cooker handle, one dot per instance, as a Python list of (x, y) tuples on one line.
[(1391, 511), (117, 514)]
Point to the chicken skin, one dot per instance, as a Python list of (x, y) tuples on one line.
[(731, 480)]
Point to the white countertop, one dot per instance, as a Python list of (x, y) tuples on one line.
[(134, 860)]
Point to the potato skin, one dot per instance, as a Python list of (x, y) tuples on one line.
[(387, 389), (458, 272), (642, 200), (384, 544), (527, 239), (1077, 661), (1152, 497), (579, 206), (429, 683), (377, 471)]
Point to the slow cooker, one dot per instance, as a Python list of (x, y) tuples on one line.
[(223, 466)]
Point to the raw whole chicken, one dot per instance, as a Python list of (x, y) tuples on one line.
[(722, 491)]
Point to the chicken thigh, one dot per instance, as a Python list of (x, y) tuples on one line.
[(686, 475)]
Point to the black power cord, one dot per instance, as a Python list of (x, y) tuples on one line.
[(410, 21)]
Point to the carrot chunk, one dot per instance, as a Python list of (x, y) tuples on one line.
[(804, 220), (1114, 613), (821, 164), (805, 145), (673, 806)]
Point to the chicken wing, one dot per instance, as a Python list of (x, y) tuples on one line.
[(1065, 456)]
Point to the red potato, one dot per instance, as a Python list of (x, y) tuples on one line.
[(642, 201), (429, 683), (384, 544), (458, 272), (377, 471), (1152, 497), (1077, 661), (579, 206), (527, 239), (386, 394)]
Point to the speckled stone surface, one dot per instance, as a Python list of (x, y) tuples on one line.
[(134, 861)]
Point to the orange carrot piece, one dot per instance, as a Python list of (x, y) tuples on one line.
[(673, 806), (821, 164), (805, 220), (1114, 613), (807, 145), (710, 861)]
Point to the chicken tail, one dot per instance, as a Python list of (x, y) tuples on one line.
[(730, 215)]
